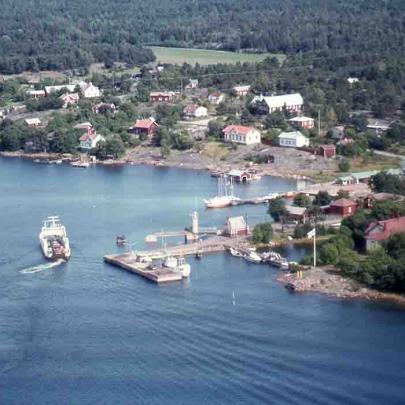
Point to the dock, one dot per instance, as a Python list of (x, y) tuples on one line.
[(128, 261), (136, 261)]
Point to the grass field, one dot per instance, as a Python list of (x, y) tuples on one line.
[(206, 57)]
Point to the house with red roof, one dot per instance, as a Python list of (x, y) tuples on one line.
[(161, 96), (380, 231), (216, 98), (145, 127), (90, 139), (241, 134), (69, 99), (343, 207)]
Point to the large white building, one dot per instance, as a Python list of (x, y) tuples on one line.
[(241, 134), (291, 102), (293, 139)]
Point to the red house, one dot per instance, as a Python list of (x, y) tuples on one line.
[(161, 96), (381, 231), (343, 207), (327, 151), (147, 127)]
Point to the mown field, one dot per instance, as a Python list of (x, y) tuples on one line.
[(206, 57)]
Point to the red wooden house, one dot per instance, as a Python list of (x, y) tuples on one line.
[(343, 207), (146, 127)]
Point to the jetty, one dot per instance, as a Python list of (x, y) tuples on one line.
[(130, 261), (139, 261)]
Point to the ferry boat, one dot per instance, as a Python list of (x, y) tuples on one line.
[(225, 196), (179, 264), (53, 239)]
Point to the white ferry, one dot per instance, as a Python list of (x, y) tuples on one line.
[(53, 239)]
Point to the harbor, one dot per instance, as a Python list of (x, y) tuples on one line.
[(120, 323)]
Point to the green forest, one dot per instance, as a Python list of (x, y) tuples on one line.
[(54, 35)]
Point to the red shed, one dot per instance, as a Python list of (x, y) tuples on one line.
[(343, 207), (327, 151)]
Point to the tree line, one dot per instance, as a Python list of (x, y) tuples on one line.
[(57, 35)]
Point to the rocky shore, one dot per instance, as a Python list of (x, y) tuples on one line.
[(328, 280), (151, 156)]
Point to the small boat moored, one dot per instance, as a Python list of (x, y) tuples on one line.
[(252, 257), (121, 240), (235, 252)]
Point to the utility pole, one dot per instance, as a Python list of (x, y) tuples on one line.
[(319, 123)]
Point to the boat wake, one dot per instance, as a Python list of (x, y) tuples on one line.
[(42, 267)]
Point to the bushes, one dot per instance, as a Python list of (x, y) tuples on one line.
[(262, 233), (344, 165)]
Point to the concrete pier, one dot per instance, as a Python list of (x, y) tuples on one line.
[(128, 262)]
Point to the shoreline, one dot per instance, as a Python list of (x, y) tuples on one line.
[(327, 280), (67, 158)]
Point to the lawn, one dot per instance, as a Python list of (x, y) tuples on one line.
[(207, 57)]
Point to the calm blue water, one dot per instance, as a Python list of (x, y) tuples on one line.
[(85, 332)]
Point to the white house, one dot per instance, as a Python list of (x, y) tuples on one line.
[(192, 84), (216, 98), (241, 134), (35, 93), (353, 80), (293, 139), (241, 91), (90, 139), (303, 122), (291, 102), (194, 110), (90, 91), (33, 122)]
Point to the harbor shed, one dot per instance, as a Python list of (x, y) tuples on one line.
[(236, 226), (240, 176)]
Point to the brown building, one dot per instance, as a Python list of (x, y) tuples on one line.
[(343, 207), (327, 151)]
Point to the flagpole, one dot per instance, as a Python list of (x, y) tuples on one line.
[(314, 247)]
